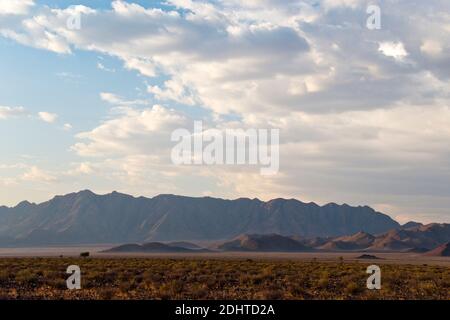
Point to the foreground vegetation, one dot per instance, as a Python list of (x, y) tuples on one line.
[(139, 278)]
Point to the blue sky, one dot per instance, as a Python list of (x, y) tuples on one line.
[(364, 114), (67, 85)]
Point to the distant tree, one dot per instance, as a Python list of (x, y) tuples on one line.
[(84, 254)]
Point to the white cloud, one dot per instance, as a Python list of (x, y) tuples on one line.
[(36, 174), (131, 131), (8, 112), (223, 56), (432, 48), (37, 35), (395, 50), (102, 67), (68, 76), (333, 4), (47, 116), (117, 100), (111, 98), (67, 127), (145, 66), (84, 168), (15, 7)]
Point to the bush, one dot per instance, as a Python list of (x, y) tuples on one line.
[(26, 277), (352, 288)]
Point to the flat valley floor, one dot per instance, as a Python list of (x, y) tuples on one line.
[(96, 252), (41, 274)]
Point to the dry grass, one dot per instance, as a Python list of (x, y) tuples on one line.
[(139, 278)]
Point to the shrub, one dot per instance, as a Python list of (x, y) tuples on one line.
[(26, 277)]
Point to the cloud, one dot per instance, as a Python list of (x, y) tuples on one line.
[(15, 7), (431, 48), (333, 4), (38, 36), (9, 112), (68, 76), (111, 98), (395, 50), (36, 174), (47, 116), (84, 168), (102, 67), (223, 56), (145, 66), (132, 130), (264, 37), (117, 100), (67, 127)]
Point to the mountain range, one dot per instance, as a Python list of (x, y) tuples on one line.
[(85, 217), (414, 239), (432, 239), (170, 223)]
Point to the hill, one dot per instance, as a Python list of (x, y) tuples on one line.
[(152, 247), (358, 241), (263, 243)]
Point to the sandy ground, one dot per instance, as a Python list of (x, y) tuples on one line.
[(95, 251)]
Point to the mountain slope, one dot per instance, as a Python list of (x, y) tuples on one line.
[(85, 217), (441, 251), (358, 241)]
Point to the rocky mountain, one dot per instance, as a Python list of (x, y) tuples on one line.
[(425, 236), (420, 239), (415, 239), (85, 217), (263, 243), (411, 224), (358, 241)]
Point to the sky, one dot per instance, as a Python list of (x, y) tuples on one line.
[(363, 113)]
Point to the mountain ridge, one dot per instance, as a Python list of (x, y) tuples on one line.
[(86, 217)]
